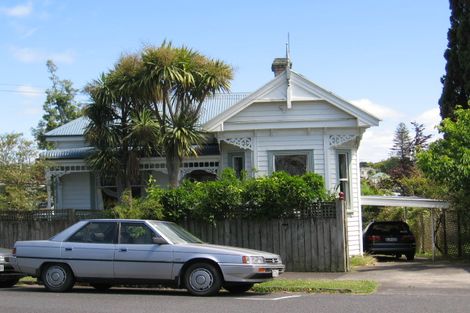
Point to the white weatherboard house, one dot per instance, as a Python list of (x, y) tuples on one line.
[(288, 124)]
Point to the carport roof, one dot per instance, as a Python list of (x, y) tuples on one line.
[(401, 201)]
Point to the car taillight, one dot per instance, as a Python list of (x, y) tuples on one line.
[(374, 238)]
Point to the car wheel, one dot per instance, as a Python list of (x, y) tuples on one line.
[(410, 256), (8, 283), (238, 288), (203, 279), (101, 287), (58, 278)]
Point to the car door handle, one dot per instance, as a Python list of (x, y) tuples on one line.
[(123, 249), (68, 249)]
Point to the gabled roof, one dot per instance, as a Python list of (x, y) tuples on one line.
[(72, 128), (303, 89), (221, 107)]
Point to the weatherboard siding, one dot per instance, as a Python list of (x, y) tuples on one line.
[(288, 140), (275, 115), (76, 191)]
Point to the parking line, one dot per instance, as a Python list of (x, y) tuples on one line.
[(269, 299)]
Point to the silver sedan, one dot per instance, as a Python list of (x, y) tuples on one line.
[(111, 252)]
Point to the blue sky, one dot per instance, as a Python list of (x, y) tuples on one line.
[(385, 56)]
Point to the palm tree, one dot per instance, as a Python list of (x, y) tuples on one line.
[(120, 129), (175, 83)]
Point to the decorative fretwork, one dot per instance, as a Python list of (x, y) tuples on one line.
[(336, 140), (241, 142), (186, 171), (61, 170), (155, 166)]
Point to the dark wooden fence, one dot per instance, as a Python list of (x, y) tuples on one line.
[(313, 244)]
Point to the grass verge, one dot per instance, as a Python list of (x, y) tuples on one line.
[(362, 260), (28, 280), (317, 286)]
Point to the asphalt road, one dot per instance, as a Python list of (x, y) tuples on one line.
[(419, 286), (34, 299)]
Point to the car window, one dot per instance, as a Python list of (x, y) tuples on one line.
[(95, 232), (389, 229), (135, 233)]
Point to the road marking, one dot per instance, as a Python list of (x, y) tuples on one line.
[(270, 299)]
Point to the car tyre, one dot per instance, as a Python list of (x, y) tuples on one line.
[(238, 288), (101, 287), (410, 256), (58, 278), (8, 283), (203, 279)]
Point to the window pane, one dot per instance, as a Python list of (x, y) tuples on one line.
[(136, 233), (295, 164), (95, 232)]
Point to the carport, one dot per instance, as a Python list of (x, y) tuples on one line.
[(409, 202)]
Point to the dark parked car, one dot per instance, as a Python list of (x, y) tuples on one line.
[(390, 238), (8, 276)]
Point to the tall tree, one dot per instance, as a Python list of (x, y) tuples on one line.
[(420, 140), (456, 81), (176, 81), (402, 149), (21, 174), (60, 106), (447, 161), (120, 129)]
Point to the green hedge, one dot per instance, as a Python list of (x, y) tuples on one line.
[(279, 195)]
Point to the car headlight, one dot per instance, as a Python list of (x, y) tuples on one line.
[(253, 260)]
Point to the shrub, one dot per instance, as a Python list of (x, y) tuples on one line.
[(280, 195)]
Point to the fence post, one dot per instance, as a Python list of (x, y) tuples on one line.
[(342, 227), (71, 217)]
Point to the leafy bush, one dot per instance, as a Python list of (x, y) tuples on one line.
[(280, 195), (141, 208)]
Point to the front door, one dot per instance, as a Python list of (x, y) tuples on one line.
[(137, 257)]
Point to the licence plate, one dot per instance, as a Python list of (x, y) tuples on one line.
[(275, 273), (393, 239), (2, 268)]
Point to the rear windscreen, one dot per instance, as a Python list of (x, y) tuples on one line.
[(389, 229)]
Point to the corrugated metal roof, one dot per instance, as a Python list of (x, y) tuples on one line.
[(212, 107), (218, 103), (72, 128), (72, 153)]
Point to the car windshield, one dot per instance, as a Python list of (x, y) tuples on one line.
[(175, 233)]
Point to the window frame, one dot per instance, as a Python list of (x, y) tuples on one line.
[(273, 153), (154, 233), (95, 222)]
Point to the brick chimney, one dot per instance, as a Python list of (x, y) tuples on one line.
[(279, 65)]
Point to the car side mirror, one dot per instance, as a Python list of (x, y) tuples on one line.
[(159, 241)]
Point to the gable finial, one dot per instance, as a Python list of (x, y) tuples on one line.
[(289, 64)]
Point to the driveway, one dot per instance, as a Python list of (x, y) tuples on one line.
[(421, 276)]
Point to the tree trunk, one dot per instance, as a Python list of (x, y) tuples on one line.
[(173, 166)]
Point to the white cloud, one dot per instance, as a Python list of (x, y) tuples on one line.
[(21, 10), (378, 110), (28, 55), (377, 141), (430, 119), (30, 91)]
